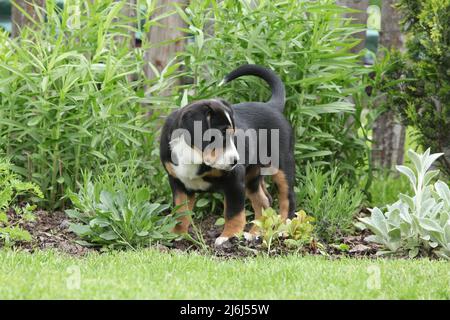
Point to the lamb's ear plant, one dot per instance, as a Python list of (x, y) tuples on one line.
[(418, 225)]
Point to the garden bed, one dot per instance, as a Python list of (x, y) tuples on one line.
[(51, 231)]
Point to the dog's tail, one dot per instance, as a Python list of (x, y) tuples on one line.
[(278, 98)]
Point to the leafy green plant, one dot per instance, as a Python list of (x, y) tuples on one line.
[(386, 186), (72, 94), (299, 230), (418, 224), (308, 43), (426, 101), (114, 210), (332, 203), (270, 226), (293, 233), (12, 189)]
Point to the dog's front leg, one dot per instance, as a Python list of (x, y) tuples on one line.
[(185, 201), (234, 212)]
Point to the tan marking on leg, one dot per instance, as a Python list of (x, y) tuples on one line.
[(187, 203), (234, 225), (259, 202), (283, 193), (169, 168), (252, 174), (214, 173)]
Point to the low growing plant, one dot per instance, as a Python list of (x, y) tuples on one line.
[(11, 190), (114, 210), (333, 204), (418, 225), (294, 233)]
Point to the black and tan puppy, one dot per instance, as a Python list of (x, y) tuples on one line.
[(212, 146)]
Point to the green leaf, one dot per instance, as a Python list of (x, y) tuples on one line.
[(430, 225), (202, 203), (34, 121), (409, 173), (429, 176), (80, 229), (143, 195), (413, 252), (444, 191), (107, 199), (3, 217), (100, 222), (109, 235), (220, 222)]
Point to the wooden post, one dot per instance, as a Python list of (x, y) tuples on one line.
[(159, 56), (19, 20), (357, 17), (388, 134)]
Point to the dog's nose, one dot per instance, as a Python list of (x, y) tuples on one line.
[(234, 161)]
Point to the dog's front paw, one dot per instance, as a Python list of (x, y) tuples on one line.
[(220, 241)]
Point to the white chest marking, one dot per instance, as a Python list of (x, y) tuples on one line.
[(187, 174), (189, 162)]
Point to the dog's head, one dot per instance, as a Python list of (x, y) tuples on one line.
[(206, 132)]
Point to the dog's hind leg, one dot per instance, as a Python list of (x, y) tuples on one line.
[(255, 192), (284, 180)]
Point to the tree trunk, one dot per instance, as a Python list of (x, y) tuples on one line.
[(129, 11), (19, 20), (160, 55), (388, 134), (358, 18), (129, 41)]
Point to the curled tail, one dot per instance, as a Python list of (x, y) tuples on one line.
[(278, 98)]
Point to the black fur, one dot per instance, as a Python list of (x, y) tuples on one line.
[(246, 115)]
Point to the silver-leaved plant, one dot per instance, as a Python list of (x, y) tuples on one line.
[(418, 224)]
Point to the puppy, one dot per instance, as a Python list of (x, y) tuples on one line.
[(213, 146)]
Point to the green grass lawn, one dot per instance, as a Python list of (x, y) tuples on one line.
[(149, 274)]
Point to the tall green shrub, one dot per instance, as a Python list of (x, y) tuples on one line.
[(427, 26), (308, 43), (72, 95)]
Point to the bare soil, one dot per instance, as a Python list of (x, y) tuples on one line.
[(51, 230)]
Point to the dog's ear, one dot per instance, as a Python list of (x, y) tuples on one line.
[(225, 102), (202, 111), (197, 111)]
